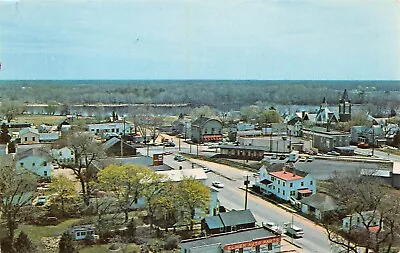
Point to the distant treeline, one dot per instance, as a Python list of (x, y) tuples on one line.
[(222, 95)]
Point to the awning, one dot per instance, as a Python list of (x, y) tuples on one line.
[(212, 137), (265, 181), (304, 191)]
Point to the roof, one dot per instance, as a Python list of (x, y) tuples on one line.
[(33, 152), (243, 147), (285, 175), (265, 181), (28, 130), (49, 136), (178, 175), (230, 238), (214, 222), (320, 201), (234, 217), (202, 121), (374, 229), (345, 97), (375, 173), (138, 160), (304, 191)]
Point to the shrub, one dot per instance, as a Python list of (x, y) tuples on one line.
[(171, 241)]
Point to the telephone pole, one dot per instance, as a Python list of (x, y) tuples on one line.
[(246, 183)]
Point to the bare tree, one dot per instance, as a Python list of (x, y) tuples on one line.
[(86, 150), (372, 209), (11, 109), (17, 190)]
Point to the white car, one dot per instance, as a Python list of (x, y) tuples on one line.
[(218, 184), (206, 170)]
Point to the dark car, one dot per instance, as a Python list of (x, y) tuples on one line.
[(169, 144)]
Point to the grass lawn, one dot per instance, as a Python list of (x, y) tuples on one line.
[(104, 248), (37, 232), (40, 119)]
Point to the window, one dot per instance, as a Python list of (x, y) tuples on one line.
[(45, 173), (283, 184), (78, 233), (26, 138), (279, 190), (60, 153), (212, 130), (258, 248), (269, 246), (291, 185), (117, 130), (311, 182), (44, 163), (33, 138), (302, 184), (72, 152), (83, 233), (22, 164), (272, 179), (279, 181), (92, 130), (33, 164), (283, 192)]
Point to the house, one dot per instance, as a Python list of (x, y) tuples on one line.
[(296, 129), (63, 125), (82, 232), (373, 136), (113, 147), (317, 205), (258, 239), (370, 220), (63, 155), (243, 152), (36, 160), (325, 117), (228, 221), (324, 140), (206, 129), (118, 128), (29, 135), (244, 127), (284, 182), (345, 107)]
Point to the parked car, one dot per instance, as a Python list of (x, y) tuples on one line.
[(40, 201), (333, 153), (302, 159), (179, 158), (274, 156), (169, 144), (310, 159), (206, 170), (218, 184), (294, 231), (167, 153)]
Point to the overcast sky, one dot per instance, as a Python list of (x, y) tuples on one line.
[(200, 39)]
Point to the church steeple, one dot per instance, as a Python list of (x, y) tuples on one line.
[(345, 107)]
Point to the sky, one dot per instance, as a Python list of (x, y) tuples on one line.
[(200, 39)]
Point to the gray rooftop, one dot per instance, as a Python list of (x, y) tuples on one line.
[(33, 152), (320, 201), (229, 238), (243, 147), (234, 217), (214, 222)]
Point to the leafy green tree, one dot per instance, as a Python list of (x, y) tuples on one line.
[(192, 196), (67, 244), (17, 191), (24, 245), (64, 190), (204, 111), (128, 182), (4, 137), (269, 116)]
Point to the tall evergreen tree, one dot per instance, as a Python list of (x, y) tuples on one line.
[(24, 245), (67, 244), (4, 137)]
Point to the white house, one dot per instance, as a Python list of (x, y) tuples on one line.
[(112, 127), (29, 135), (286, 183), (63, 155), (35, 160), (370, 220)]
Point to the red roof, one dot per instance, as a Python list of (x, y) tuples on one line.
[(374, 229), (284, 175), (304, 191)]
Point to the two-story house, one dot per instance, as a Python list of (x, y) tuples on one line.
[(286, 183), (370, 220), (63, 155), (36, 160), (29, 135), (206, 129)]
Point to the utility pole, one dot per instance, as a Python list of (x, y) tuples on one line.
[(373, 140), (197, 150), (179, 143), (270, 141), (246, 183)]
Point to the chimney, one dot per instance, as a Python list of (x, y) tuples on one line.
[(284, 169)]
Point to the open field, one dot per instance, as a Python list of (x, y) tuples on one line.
[(40, 119)]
